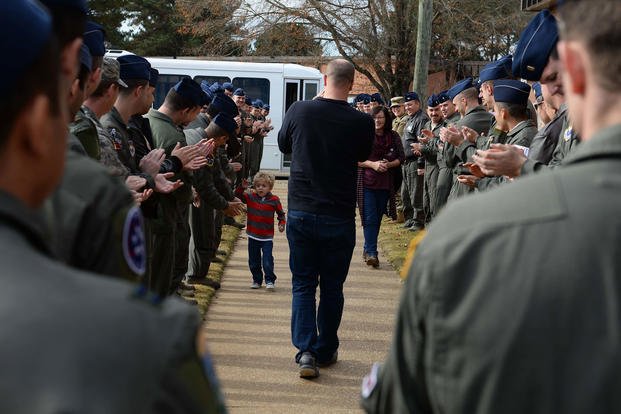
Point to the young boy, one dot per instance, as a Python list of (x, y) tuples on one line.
[(260, 227)]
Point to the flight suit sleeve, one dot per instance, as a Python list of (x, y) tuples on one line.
[(110, 235), (206, 189), (400, 384), (189, 384)]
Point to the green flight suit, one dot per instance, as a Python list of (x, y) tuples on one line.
[(171, 228), (107, 153), (568, 141), (255, 148), (479, 119), (86, 131), (430, 153), (512, 301), (522, 134), (446, 162), (88, 343), (94, 222)]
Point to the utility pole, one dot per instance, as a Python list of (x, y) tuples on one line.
[(423, 48)]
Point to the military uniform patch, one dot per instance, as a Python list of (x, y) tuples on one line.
[(134, 245), (568, 134), (370, 381), (118, 143)]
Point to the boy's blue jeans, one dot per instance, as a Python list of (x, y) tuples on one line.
[(255, 248)]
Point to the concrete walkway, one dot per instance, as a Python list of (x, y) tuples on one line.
[(248, 334)]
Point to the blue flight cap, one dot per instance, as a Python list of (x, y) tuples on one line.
[(359, 98), (25, 28), (154, 74), (459, 87), (226, 122), (134, 67), (411, 96), (511, 91), (499, 69), (266, 107), (433, 101), (258, 104), (538, 94), (86, 59), (224, 104), (535, 46), (206, 88), (79, 5), (248, 101), (443, 97), (376, 97), (191, 91), (228, 86), (94, 38), (216, 88), (239, 92)]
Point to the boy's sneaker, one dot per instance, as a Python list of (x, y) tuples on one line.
[(308, 366), (255, 285), (270, 286)]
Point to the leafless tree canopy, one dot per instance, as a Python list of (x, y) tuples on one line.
[(379, 36)]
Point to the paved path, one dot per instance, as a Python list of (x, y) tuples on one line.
[(248, 333)]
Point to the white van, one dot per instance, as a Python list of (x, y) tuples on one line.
[(276, 84)]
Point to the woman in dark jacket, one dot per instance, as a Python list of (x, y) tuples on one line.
[(376, 184)]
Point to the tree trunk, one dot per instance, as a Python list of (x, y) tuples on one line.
[(423, 48)]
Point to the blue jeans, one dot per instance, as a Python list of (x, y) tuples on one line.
[(255, 248), (374, 207), (320, 253)]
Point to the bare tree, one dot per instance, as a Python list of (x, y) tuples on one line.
[(379, 36)]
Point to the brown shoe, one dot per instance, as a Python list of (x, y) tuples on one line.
[(373, 261)]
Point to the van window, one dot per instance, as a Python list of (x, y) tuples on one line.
[(212, 79), (255, 88), (164, 83)]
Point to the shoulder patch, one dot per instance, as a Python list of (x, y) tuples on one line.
[(370, 381), (409, 257), (134, 244), (568, 133)]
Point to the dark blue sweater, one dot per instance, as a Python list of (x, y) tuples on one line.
[(326, 138)]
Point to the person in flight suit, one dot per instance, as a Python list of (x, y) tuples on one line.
[(397, 109), (428, 148), (83, 127), (99, 337), (171, 229), (413, 181), (473, 116), (530, 330), (90, 212), (535, 60), (99, 103)]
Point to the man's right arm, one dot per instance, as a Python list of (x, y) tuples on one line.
[(366, 140), (284, 135)]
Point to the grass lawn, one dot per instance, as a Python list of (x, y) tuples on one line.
[(394, 240)]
